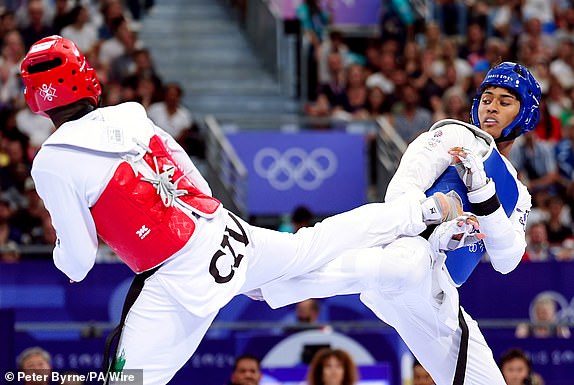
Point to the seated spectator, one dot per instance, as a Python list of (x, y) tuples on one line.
[(10, 253), (111, 11), (307, 314), (8, 233), (565, 152), (37, 127), (536, 164), (332, 367), (559, 104), (452, 105), (549, 127), (335, 43), (122, 40), (330, 94), (80, 31), (314, 20), (7, 22), (566, 251), (561, 67), (113, 94), (537, 246), (408, 117), (517, 369), (506, 20), (137, 9), (246, 370), (557, 227), (299, 218), (474, 48), (36, 28), (541, 45), (420, 375), (449, 51), (146, 92), (372, 55), (383, 77), (35, 360), (308, 311), (29, 219), (123, 66), (15, 147), (62, 16), (544, 321), (143, 67), (354, 99), (431, 37), (13, 52), (377, 103), (170, 114)]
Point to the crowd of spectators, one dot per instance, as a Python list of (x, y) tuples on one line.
[(426, 65), (107, 32)]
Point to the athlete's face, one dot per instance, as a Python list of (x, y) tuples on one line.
[(496, 110), (515, 371), (333, 371)]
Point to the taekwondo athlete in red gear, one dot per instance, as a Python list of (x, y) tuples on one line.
[(411, 284), (110, 172)]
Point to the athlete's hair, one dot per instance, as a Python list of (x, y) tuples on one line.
[(520, 82)]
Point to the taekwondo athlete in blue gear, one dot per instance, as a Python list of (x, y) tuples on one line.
[(410, 283), (461, 262)]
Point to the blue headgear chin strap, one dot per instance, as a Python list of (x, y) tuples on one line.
[(518, 79)]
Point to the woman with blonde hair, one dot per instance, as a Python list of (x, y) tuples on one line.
[(332, 367)]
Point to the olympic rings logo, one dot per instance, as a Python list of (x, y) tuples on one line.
[(295, 167)]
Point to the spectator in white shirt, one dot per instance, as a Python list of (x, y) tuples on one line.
[(170, 114)]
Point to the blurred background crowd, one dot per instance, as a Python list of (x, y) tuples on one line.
[(107, 32), (424, 65), (419, 71)]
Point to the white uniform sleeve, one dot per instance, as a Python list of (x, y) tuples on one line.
[(77, 244), (505, 236), (426, 158), (184, 161)]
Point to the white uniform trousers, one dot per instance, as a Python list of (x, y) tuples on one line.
[(400, 285), (162, 330)]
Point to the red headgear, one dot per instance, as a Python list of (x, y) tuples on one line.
[(55, 74)]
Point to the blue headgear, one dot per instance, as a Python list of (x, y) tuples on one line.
[(517, 78)]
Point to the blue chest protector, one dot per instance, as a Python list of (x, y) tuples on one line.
[(461, 262)]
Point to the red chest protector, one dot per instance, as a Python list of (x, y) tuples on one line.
[(138, 217)]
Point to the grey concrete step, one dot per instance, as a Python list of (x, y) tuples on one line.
[(217, 72), (199, 44), (245, 103)]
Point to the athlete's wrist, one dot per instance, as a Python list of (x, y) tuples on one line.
[(484, 200)]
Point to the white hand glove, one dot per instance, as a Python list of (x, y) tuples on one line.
[(459, 232), (470, 168)]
